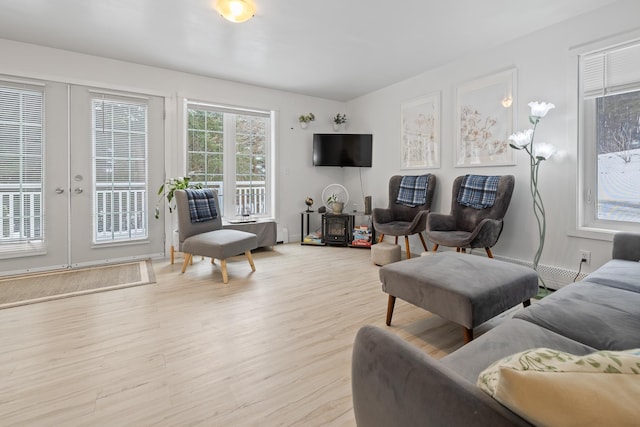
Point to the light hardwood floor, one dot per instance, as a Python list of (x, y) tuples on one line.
[(270, 348)]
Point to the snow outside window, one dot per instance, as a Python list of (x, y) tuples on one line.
[(610, 138)]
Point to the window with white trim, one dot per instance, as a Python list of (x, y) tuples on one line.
[(610, 138), (21, 166), (230, 150)]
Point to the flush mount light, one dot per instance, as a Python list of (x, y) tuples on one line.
[(236, 10)]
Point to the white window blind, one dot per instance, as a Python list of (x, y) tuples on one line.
[(21, 167), (612, 71), (120, 169)]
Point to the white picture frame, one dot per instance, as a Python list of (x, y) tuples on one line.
[(420, 133), (485, 118)]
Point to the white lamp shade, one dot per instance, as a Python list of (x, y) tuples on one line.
[(236, 10)]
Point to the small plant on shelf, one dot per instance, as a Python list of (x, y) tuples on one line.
[(340, 119), (335, 202)]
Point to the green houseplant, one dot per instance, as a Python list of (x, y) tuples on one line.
[(340, 119), (304, 119), (336, 203), (167, 191)]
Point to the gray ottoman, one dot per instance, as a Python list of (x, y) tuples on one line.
[(463, 288)]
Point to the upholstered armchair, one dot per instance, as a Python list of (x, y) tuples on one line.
[(400, 219), (201, 233), (471, 227)]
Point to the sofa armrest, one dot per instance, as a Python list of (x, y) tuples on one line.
[(626, 246), (395, 384)]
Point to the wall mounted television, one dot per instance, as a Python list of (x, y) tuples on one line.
[(342, 149)]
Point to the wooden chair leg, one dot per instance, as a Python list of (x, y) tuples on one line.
[(213, 261), (225, 276), (390, 304), (250, 258), (396, 240), (468, 335), (406, 243), (526, 303), (424, 244), (172, 252), (458, 250), (187, 260), (380, 238), (435, 247), (489, 254)]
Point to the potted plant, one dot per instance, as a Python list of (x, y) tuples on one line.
[(304, 120), (339, 120), (168, 189), (336, 203)]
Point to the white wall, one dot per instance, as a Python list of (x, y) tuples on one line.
[(545, 72), (296, 176)]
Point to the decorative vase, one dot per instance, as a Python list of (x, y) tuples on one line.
[(304, 125), (337, 207), (337, 126)]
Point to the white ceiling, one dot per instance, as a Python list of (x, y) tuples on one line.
[(335, 49)]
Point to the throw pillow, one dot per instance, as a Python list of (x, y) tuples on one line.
[(554, 388)]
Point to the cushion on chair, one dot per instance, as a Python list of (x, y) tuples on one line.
[(202, 204), (220, 244), (478, 191), (413, 190)]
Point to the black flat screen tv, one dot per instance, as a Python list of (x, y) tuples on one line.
[(342, 149)]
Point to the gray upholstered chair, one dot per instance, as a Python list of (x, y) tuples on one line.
[(468, 227), (400, 220), (208, 238)]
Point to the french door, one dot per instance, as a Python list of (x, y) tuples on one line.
[(85, 195)]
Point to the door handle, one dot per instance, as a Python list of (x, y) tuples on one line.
[(59, 190), (78, 190)]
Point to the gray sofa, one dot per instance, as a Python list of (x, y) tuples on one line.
[(396, 384)]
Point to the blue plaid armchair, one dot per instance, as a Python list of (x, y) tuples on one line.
[(472, 225), (406, 214)]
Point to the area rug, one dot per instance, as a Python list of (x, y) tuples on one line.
[(30, 289)]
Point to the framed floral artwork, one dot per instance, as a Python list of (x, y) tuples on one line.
[(485, 117), (420, 133)]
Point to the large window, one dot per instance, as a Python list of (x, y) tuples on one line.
[(21, 171), (610, 138), (230, 150)]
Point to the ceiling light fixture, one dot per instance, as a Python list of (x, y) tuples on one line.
[(236, 10)]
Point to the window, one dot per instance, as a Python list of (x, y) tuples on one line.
[(229, 150), (610, 138), (21, 161), (120, 170)]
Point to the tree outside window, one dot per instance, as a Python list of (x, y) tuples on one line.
[(229, 151)]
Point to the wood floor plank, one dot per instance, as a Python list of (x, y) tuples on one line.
[(271, 347)]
